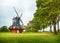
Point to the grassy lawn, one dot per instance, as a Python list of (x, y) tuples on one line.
[(29, 38)]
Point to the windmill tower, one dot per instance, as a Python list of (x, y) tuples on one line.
[(17, 27)]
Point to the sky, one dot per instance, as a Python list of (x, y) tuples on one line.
[(26, 7)]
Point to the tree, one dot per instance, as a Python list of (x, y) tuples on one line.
[(58, 19), (41, 16), (4, 29), (51, 26), (10, 27), (54, 7), (48, 10)]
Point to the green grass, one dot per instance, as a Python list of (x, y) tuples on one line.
[(29, 38)]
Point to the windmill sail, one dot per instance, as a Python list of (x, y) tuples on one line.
[(20, 19), (15, 11), (21, 15)]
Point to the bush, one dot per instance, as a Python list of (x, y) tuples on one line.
[(4, 29)]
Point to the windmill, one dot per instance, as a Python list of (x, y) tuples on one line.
[(17, 27)]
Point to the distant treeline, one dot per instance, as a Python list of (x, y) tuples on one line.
[(5, 29)]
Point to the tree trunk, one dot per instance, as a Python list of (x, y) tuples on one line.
[(43, 30), (54, 23), (58, 26), (50, 26)]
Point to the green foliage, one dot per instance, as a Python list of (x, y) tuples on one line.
[(28, 28), (42, 3), (47, 12), (4, 29), (10, 27)]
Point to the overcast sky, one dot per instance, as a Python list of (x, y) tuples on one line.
[(26, 7)]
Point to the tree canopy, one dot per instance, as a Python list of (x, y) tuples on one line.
[(47, 12)]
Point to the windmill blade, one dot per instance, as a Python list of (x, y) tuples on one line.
[(21, 22), (21, 15), (15, 11)]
